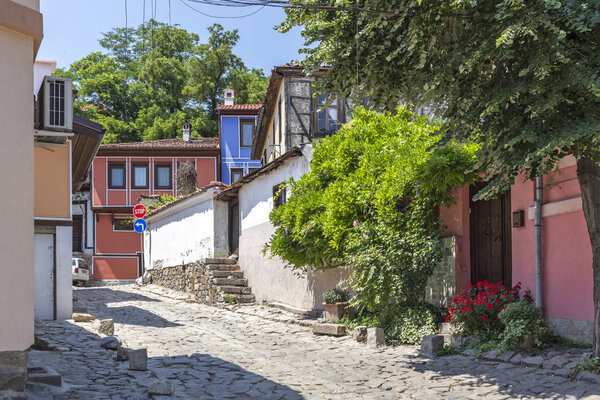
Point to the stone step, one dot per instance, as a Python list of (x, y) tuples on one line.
[(226, 274), (230, 282), (222, 267), (237, 298), (234, 289), (219, 261)]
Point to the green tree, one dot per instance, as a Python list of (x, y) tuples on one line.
[(370, 201), (150, 79), (521, 78)]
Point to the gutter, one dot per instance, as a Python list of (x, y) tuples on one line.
[(537, 209)]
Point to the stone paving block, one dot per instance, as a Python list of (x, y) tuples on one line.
[(160, 388), (360, 334), (533, 361), (138, 359), (431, 345), (81, 317), (375, 337), (329, 329), (107, 327), (110, 342)]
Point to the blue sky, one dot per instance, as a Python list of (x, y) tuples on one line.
[(72, 28)]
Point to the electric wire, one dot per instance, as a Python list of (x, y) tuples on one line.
[(221, 16)]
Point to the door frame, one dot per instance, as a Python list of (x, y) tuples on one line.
[(48, 231), (505, 199)]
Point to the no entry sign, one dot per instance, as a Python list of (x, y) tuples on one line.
[(139, 211)]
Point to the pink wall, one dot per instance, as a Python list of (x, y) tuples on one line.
[(566, 249), (115, 242), (115, 267)]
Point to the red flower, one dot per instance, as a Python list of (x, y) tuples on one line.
[(483, 318)]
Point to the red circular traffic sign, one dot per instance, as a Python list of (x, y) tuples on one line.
[(139, 211)]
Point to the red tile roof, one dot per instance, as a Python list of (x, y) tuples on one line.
[(245, 107), (166, 144)]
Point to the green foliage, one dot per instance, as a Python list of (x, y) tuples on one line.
[(187, 177), (369, 202), (522, 321), (447, 350), (410, 322), (590, 364), (518, 77), (333, 296), (151, 79), (162, 200)]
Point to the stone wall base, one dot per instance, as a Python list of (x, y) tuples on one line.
[(189, 278), (580, 331), (13, 374)]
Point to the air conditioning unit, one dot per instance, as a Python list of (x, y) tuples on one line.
[(55, 100)]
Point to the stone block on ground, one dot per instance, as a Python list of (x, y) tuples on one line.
[(107, 327), (160, 388), (329, 329), (360, 334), (81, 317), (13, 370), (110, 342), (431, 345), (375, 337), (122, 354), (138, 359)]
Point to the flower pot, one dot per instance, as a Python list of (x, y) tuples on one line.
[(338, 310)]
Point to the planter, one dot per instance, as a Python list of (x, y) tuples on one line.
[(336, 311)]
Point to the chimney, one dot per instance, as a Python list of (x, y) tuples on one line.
[(229, 95), (186, 131)]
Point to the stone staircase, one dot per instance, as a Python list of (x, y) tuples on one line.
[(229, 280)]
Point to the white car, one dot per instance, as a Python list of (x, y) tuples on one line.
[(81, 271)]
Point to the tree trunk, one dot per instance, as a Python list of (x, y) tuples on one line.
[(588, 174)]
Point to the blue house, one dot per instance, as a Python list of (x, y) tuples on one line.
[(237, 126)]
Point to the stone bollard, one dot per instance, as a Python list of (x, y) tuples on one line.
[(431, 345), (122, 354), (375, 337), (107, 327), (329, 329), (81, 317), (138, 360), (360, 334)]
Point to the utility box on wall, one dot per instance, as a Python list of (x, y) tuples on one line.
[(518, 218)]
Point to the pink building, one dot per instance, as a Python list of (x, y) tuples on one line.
[(123, 172), (494, 240)]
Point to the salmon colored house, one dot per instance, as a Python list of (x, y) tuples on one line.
[(494, 241), (123, 172)]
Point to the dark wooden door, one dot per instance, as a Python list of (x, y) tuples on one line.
[(490, 239), (77, 233)]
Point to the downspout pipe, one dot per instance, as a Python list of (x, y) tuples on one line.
[(537, 219)]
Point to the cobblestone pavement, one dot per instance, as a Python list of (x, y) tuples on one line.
[(206, 352)]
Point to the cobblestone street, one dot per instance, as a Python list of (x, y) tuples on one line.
[(206, 352)]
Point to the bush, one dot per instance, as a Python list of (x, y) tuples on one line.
[(410, 322), (332, 296), (478, 306), (522, 321)]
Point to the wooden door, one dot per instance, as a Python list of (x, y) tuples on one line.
[(490, 239), (77, 233), (234, 226)]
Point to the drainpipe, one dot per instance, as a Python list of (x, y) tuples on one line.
[(537, 220)]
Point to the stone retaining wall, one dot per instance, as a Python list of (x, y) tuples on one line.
[(189, 278), (580, 331), (441, 286)]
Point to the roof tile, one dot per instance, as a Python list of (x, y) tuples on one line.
[(201, 143)]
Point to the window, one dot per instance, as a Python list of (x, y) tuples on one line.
[(122, 224), (246, 132), (236, 174), (116, 176), (327, 114), (139, 176), (251, 170), (279, 195), (163, 177)]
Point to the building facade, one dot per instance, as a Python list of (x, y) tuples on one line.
[(237, 127), (294, 113), (123, 172)]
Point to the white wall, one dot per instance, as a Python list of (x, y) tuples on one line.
[(270, 278), (64, 272), (181, 234)]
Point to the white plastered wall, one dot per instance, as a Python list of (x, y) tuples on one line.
[(64, 272), (270, 278)]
